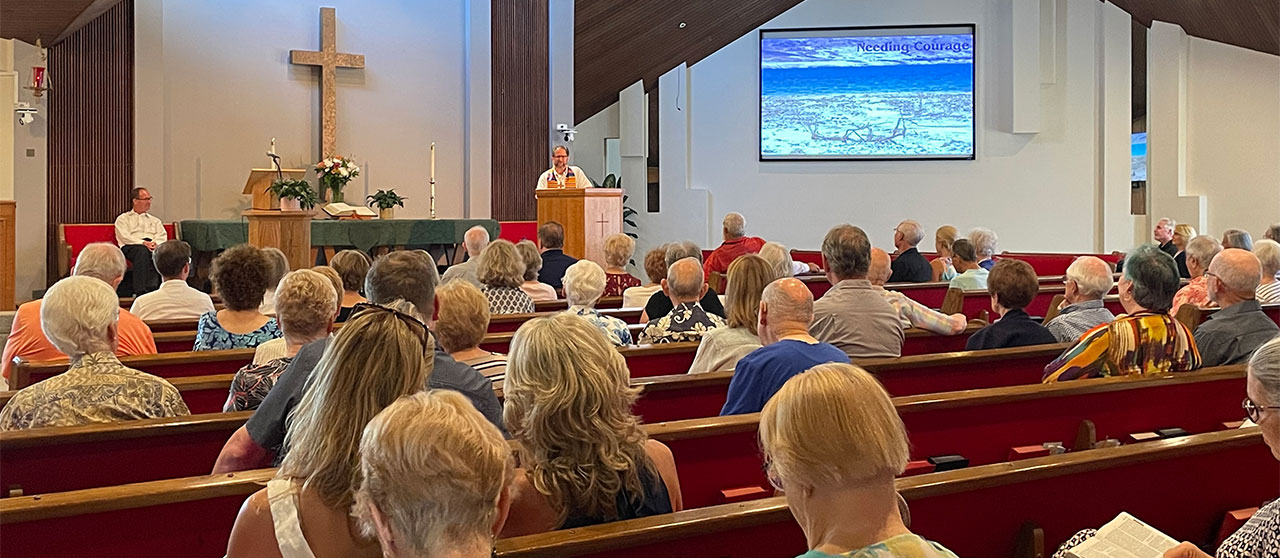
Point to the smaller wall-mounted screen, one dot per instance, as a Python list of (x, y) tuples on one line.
[(867, 93), (1138, 158)]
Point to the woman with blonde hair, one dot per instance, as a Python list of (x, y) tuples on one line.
[(779, 259), (377, 357), (537, 290), (501, 271), (655, 268), (1182, 235), (945, 236), (831, 436), (435, 478), (618, 249), (461, 322), (721, 347), (584, 458)]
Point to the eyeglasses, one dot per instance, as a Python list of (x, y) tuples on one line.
[(148, 198), (419, 328), (774, 479), (1254, 410)]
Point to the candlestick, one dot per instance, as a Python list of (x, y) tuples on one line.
[(433, 180)]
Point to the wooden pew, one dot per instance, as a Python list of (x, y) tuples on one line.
[(165, 365), (1179, 486), (1049, 263), (1192, 316)]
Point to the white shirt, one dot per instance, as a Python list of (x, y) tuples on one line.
[(579, 177), (637, 297), (174, 300), (270, 350), (132, 227)]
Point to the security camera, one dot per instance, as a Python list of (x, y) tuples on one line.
[(25, 114), (566, 132)]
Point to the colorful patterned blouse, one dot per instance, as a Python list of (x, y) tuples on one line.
[(97, 388), (1144, 343), (613, 328), (615, 283), (211, 336), (251, 384), (686, 322), (901, 546), (1195, 293)]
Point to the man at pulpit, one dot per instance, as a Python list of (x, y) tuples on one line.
[(137, 233), (562, 174)]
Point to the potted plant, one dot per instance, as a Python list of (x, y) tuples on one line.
[(334, 173), (295, 195), (386, 201)]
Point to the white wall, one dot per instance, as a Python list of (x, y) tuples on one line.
[(214, 85), (1233, 135), (30, 183)]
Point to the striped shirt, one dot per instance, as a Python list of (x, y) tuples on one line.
[(914, 314), (1076, 319), (1269, 293), (1145, 343)]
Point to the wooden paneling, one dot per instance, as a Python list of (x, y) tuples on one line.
[(8, 244), (1252, 24), (521, 97), (26, 20), (91, 124)]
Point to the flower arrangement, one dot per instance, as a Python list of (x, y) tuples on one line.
[(294, 195), (334, 173)]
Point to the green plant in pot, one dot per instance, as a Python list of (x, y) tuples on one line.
[(295, 195), (386, 202)]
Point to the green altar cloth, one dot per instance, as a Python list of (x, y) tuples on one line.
[(209, 236)]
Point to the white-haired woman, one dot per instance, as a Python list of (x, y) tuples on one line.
[(278, 268), (584, 458), (78, 315), (461, 322), (537, 290), (831, 436), (985, 244), (501, 272), (435, 478), (618, 249), (584, 284), (1268, 253), (779, 259)]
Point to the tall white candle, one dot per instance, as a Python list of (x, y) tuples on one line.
[(433, 162)]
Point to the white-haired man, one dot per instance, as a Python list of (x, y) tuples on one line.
[(786, 312), (736, 243), (79, 316), (102, 261), (909, 266), (1199, 254), (1163, 234), (1232, 334), (475, 240), (687, 321), (1088, 280)]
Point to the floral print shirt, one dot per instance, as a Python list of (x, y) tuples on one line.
[(615, 283), (686, 322), (1195, 293), (210, 335), (251, 384), (901, 546), (97, 388), (613, 328)]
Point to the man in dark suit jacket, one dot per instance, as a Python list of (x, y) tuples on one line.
[(909, 266), (554, 260), (1163, 234)]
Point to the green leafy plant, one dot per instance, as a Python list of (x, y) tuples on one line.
[(628, 213), (385, 199), (298, 189)]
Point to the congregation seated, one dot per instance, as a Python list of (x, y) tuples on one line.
[(501, 272), (1236, 238), (687, 320), (584, 460), (736, 243), (1232, 334), (403, 277), (435, 478), (306, 305), (554, 260), (461, 322), (909, 266), (910, 312), (941, 266), (786, 312), (352, 266), (1143, 340), (279, 347), (279, 266), (1182, 235), (101, 261), (655, 268), (240, 275), (1268, 254), (475, 240), (985, 245), (852, 315), (779, 258), (1257, 537), (660, 305), (138, 233), (1198, 254), (823, 465), (1012, 285), (377, 357), (1088, 280), (536, 290), (969, 275), (618, 249), (722, 347), (174, 300), (79, 315), (584, 283)]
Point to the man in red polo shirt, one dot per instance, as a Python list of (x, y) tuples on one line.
[(736, 243)]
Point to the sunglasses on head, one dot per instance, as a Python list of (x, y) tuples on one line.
[(414, 324)]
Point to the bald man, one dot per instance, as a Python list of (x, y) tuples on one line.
[(475, 240), (910, 312), (1232, 334), (786, 312), (1088, 280), (687, 320), (736, 243)]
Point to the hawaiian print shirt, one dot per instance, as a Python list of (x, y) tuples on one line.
[(97, 388), (251, 384), (686, 322), (613, 328), (1195, 293)]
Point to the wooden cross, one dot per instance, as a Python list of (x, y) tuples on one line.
[(329, 60)]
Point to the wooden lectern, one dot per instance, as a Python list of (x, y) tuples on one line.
[(290, 231), (589, 215)]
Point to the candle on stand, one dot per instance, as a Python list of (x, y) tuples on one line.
[(433, 180), (273, 145)]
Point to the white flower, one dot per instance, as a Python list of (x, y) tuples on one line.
[(328, 163), (342, 171)]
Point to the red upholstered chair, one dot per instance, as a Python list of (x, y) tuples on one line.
[(72, 238)]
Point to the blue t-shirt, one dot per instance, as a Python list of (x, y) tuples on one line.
[(761, 373)]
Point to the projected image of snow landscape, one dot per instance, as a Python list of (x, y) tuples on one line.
[(885, 96)]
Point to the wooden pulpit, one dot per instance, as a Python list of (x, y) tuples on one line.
[(589, 215), (261, 179), (290, 231)]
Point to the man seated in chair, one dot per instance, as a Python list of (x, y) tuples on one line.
[(137, 233)]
